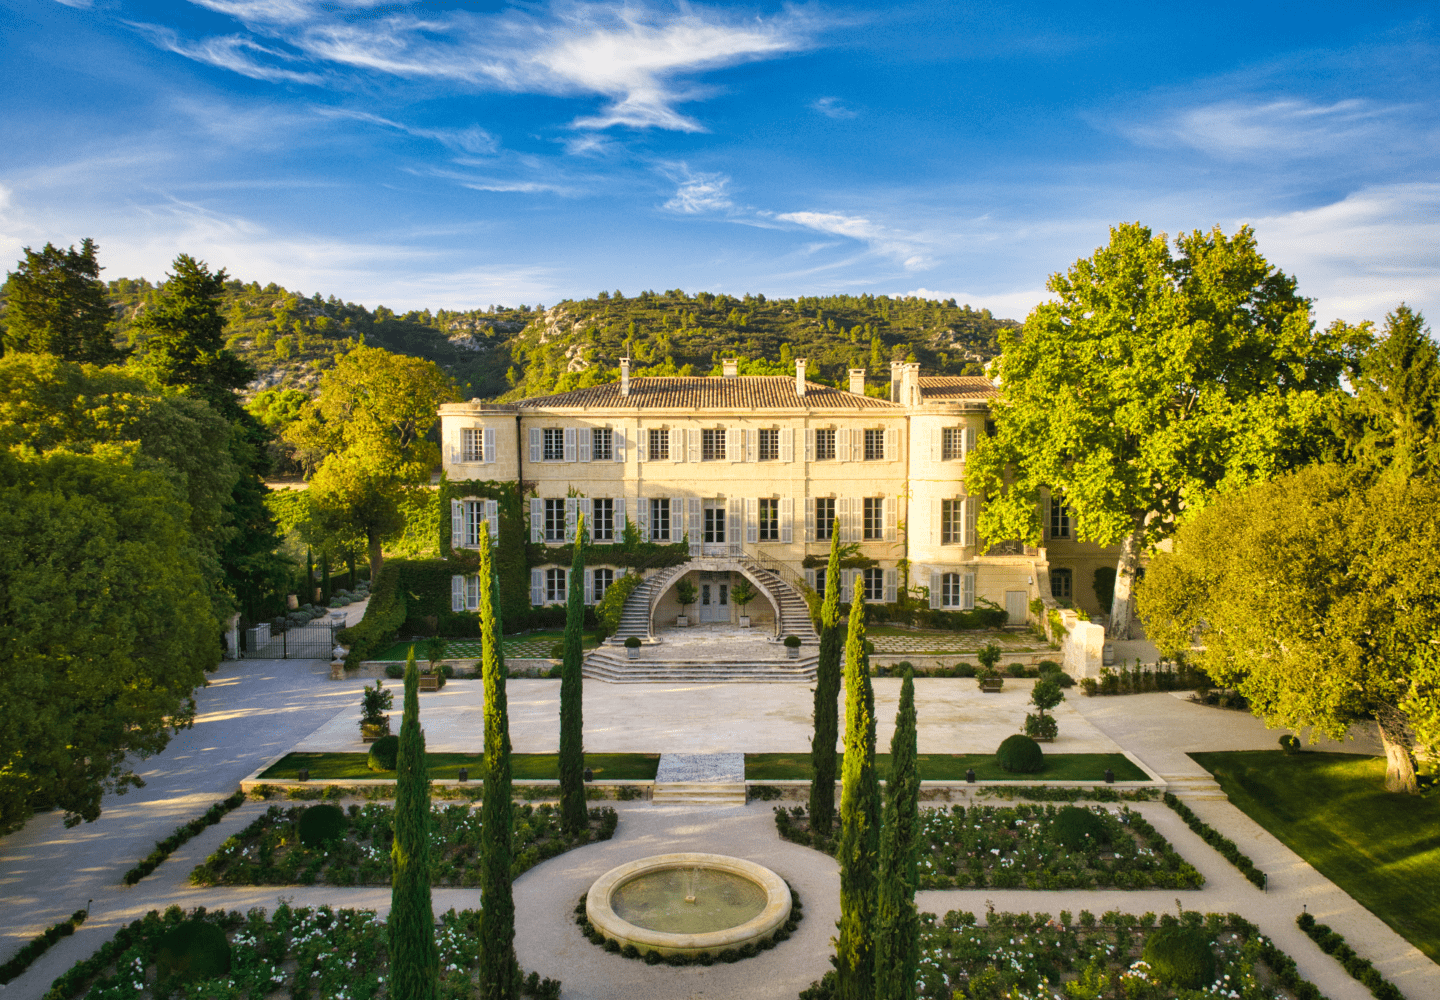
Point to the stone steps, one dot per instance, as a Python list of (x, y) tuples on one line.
[(1195, 787), (698, 793), (602, 664)]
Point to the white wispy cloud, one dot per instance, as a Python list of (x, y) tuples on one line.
[(910, 249), (697, 192), (233, 52), (1287, 128), (833, 107), (472, 139)]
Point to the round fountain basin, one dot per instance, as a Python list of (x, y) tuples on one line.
[(648, 903)]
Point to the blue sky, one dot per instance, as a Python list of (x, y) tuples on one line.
[(455, 155)]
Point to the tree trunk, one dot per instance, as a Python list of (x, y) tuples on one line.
[(1399, 742), (1124, 579), (377, 556)]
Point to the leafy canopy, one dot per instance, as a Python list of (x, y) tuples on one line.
[(56, 304), (1393, 423)]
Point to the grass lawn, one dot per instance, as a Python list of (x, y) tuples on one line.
[(532, 644), (952, 767), (1332, 810), (524, 766)]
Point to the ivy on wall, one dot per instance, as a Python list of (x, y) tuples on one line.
[(511, 556), (629, 552)]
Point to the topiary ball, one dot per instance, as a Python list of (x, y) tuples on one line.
[(191, 950), (321, 824), (1180, 956), (1079, 829), (1020, 754), (383, 753)]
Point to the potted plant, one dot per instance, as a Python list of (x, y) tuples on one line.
[(431, 678), (742, 594), (374, 703), (632, 646), (792, 646), (1047, 694), (685, 594), (990, 680)]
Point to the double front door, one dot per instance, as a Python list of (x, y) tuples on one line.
[(714, 597)]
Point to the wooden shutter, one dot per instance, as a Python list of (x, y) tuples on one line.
[(537, 586), (787, 520), (972, 511), (472, 593), (810, 579), (492, 518), (892, 444), (537, 519), (694, 527), (537, 447), (693, 436), (675, 438), (457, 593), (967, 594), (937, 582), (489, 447), (584, 436), (891, 518), (787, 444), (732, 526), (642, 450), (569, 439), (842, 519), (752, 441), (752, 525), (585, 507), (457, 524), (969, 441), (642, 518), (570, 512), (617, 444), (589, 576), (842, 444), (892, 585), (809, 444), (809, 519)]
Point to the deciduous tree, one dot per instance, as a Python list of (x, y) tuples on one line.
[(1151, 383), (573, 813), (859, 819), (56, 304), (827, 695), (414, 958)]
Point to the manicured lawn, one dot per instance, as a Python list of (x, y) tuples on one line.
[(1332, 810), (524, 766), (952, 767), (532, 644)]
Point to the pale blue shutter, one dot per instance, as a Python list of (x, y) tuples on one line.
[(457, 524), (892, 585), (537, 519), (569, 439), (570, 511), (937, 581), (537, 587), (537, 448), (787, 520), (583, 438), (617, 445), (891, 529), (642, 518), (457, 593), (492, 517), (489, 446)]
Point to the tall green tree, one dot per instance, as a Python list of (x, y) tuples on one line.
[(827, 698), (499, 971), (105, 628), (55, 303), (1151, 383), (897, 937), (371, 419), (1314, 595), (414, 957), (1394, 420), (859, 819), (573, 813)]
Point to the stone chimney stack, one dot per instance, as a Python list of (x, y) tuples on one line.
[(624, 376), (731, 367), (910, 384), (857, 381), (896, 367), (800, 377)]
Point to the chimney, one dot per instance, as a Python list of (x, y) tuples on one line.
[(857, 381), (800, 377), (896, 367), (624, 376), (731, 367), (910, 385)]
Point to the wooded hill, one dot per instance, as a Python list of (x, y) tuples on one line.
[(503, 353)]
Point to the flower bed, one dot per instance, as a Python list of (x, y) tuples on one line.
[(269, 852), (1025, 956), (301, 953), (1017, 847)]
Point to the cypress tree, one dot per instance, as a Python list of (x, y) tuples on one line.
[(897, 941), (499, 972), (573, 814), (414, 958), (859, 819), (827, 694)]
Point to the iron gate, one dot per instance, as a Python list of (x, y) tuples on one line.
[(314, 641)]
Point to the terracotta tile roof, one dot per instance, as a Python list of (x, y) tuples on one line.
[(747, 392), (938, 387)]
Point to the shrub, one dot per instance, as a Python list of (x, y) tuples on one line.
[(1290, 743), (394, 671), (374, 703), (1181, 956), (1020, 754), (1041, 727), (555, 672), (632, 642), (792, 642), (321, 824), (1079, 829), (192, 949), (989, 655), (964, 670), (383, 752), (1049, 667), (557, 651), (1016, 670)]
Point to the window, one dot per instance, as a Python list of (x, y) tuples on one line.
[(714, 525), (553, 441), (769, 445), (769, 520), (555, 586), (820, 582), (874, 445), (1059, 518), (824, 519), (950, 590), (1060, 581), (659, 446), (601, 445), (952, 443), (874, 584), (712, 445), (873, 522), (659, 518), (555, 520), (474, 517), (825, 447), (952, 522), (603, 513), (472, 444), (601, 581)]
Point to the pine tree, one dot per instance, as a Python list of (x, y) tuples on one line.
[(56, 304), (897, 939), (859, 819), (573, 814), (414, 958), (499, 972), (827, 693)]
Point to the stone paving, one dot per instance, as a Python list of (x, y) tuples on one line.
[(709, 768)]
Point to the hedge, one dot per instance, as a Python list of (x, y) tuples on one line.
[(39, 945), (607, 612), (1333, 944), (1217, 840), (383, 617), (168, 846)]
